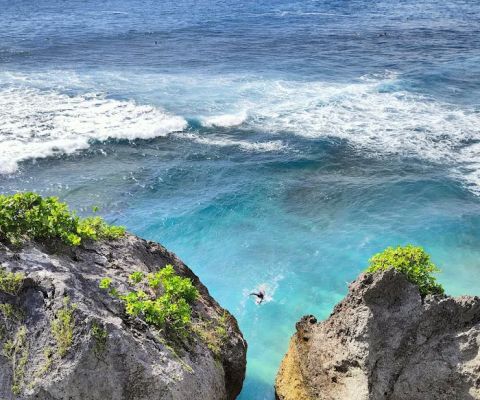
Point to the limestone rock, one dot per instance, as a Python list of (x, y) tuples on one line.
[(384, 341), (111, 355)]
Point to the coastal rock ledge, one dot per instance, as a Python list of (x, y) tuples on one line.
[(383, 341), (64, 338)]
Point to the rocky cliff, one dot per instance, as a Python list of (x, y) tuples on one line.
[(384, 341), (62, 337)]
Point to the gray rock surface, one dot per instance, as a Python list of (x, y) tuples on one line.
[(383, 341), (112, 355)]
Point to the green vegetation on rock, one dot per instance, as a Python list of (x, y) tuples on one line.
[(10, 282), (16, 350), (48, 361), (10, 312), (213, 333), (161, 299), (413, 262), (62, 327), (100, 336), (25, 216)]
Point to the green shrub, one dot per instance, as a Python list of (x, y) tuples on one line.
[(28, 215), (10, 282), (175, 286), (171, 307), (105, 283), (136, 277), (413, 262)]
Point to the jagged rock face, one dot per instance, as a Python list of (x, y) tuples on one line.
[(112, 355), (383, 341)]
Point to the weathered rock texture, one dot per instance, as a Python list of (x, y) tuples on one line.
[(112, 356), (383, 341)]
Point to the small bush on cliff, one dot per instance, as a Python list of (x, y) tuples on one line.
[(413, 262), (28, 215), (10, 282), (161, 299)]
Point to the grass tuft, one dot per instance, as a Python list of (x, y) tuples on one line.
[(63, 326), (16, 350)]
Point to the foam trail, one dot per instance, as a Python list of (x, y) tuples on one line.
[(268, 146), (39, 124)]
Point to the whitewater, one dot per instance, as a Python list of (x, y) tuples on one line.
[(374, 114)]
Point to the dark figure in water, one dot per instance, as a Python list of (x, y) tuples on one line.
[(260, 296)]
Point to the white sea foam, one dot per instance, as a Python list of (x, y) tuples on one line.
[(469, 167), (375, 117), (267, 288), (37, 124), (224, 120)]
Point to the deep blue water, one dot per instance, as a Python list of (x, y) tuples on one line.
[(272, 144)]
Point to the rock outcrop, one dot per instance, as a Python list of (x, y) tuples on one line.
[(94, 350), (384, 341)]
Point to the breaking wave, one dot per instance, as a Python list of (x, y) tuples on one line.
[(38, 124)]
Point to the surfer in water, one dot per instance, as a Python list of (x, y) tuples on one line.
[(260, 296)]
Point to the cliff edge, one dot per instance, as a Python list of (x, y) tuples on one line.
[(63, 337), (386, 341)]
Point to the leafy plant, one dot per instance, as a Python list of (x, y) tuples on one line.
[(136, 277), (62, 327), (28, 215), (105, 283), (161, 299), (413, 262), (175, 286)]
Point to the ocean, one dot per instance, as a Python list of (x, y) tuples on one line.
[(274, 144)]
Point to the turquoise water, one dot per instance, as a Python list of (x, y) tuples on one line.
[(275, 145)]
